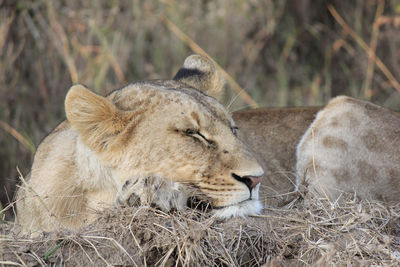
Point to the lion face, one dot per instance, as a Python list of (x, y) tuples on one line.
[(171, 130)]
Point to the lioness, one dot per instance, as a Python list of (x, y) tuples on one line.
[(162, 141)]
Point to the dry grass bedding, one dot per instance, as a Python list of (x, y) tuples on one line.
[(312, 231)]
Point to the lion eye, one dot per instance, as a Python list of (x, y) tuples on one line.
[(198, 135), (190, 132), (234, 130)]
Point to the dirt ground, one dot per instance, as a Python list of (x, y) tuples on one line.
[(311, 231)]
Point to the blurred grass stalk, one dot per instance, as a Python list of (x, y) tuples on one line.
[(60, 41), (371, 53), (21, 139), (373, 43), (282, 75), (197, 49)]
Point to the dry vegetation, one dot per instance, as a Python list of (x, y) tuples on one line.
[(282, 53), (313, 231)]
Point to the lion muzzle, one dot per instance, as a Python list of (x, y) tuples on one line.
[(249, 181)]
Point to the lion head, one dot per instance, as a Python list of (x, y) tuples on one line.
[(173, 129)]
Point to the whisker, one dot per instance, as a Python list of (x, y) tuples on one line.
[(234, 99)]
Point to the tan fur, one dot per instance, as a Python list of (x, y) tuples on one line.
[(161, 141), (352, 146), (272, 135), (356, 147)]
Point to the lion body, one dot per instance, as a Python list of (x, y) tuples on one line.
[(351, 146)]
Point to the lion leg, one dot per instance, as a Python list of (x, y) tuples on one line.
[(152, 190)]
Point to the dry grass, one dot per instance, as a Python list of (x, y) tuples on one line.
[(314, 231)]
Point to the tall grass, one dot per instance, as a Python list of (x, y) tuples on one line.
[(282, 53)]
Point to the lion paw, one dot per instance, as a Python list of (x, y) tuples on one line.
[(152, 190)]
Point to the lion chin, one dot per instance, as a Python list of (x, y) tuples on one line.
[(242, 209)]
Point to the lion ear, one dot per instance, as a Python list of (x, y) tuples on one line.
[(201, 73), (95, 118)]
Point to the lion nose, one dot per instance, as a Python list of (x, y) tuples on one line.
[(250, 181), (255, 180)]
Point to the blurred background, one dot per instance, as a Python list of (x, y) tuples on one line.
[(281, 53)]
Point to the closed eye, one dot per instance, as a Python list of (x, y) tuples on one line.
[(234, 130), (196, 134)]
